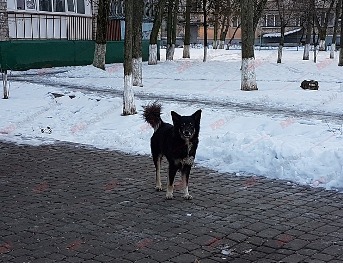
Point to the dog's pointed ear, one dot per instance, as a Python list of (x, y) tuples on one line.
[(197, 115), (175, 117)]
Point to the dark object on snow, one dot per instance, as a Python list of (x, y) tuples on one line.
[(309, 84), (58, 95)]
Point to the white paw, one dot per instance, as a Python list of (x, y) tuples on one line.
[(169, 196), (158, 188), (188, 197)]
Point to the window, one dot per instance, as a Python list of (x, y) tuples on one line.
[(20, 5), (80, 6), (277, 21), (59, 6), (270, 21), (71, 6), (45, 5), (31, 4), (235, 21)]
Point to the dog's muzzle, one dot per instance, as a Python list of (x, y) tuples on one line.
[(187, 133)]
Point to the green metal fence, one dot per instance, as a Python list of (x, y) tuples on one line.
[(27, 54)]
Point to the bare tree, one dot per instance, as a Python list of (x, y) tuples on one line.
[(5, 84), (308, 26), (334, 36), (101, 34), (154, 32), (228, 10), (286, 14), (258, 7), (138, 8), (129, 107), (248, 78), (175, 22), (187, 39), (340, 59), (4, 36), (173, 6), (216, 24), (204, 7), (322, 10)]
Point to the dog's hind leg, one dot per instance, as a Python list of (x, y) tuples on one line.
[(157, 162), (185, 171), (170, 184)]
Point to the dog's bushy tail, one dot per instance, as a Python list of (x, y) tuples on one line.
[(152, 114)]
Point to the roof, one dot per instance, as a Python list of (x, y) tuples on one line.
[(279, 34)]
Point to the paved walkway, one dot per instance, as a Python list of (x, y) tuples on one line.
[(69, 203)]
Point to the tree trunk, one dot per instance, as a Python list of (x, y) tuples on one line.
[(138, 6), (216, 25), (99, 56), (322, 28), (281, 44), (340, 59), (101, 34), (154, 32), (174, 29), (306, 55), (129, 107), (322, 44), (5, 85), (170, 51), (186, 41), (314, 47), (223, 32), (334, 36), (205, 29), (4, 29), (153, 54), (248, 78)]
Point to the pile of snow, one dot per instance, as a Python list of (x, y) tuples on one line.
[(295, 134)]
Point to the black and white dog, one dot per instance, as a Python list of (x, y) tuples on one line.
[(177, 142)]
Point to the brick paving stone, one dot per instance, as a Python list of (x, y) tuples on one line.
[(72, 203)]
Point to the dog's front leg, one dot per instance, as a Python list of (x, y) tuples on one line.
[(186, 169), (170, 184), (157, 162)]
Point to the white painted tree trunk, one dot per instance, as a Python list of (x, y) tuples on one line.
[(137, 72), (129, 107), (99, 56), (248, 78), (332, 50), (205, 53), (215, 44), (170, 52), (152, 54), (221, 44), (279, 54), (5, 85), (322, 45), (186, 51), (306, 55)]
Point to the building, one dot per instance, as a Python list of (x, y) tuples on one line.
[(50, 33)]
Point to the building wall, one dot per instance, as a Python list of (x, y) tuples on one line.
[(210, 34), (3, 21)]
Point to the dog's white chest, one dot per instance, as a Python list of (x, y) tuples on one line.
[(188, 160)]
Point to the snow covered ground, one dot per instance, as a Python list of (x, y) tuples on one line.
[(279, 131)]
